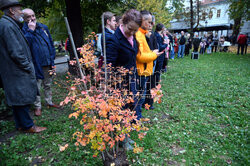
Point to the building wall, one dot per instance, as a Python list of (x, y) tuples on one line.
[(245, 28), (213, 5)]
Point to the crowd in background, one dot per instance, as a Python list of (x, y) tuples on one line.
[(208, 43)]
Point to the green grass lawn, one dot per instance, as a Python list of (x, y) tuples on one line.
[(203, 120)]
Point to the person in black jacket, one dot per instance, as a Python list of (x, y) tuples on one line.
[(151, 83), (182, 42), (43, 55), (188, 45), (16, 67), (122, 49), (196, 43), (110, 27)]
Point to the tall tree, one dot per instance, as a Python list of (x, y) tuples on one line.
[(92, 12), (157, 8), (74, 15), (239, 12), (191, 20), (54, 19), (192, 14), (73, 12), (39, 7)]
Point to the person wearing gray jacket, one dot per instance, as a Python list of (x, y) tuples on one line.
[(16, 67)]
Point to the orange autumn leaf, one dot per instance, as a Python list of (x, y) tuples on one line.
[(106, 137), (92, 134), (111, 143), (158, 86), (145, 119), (83, 141), (141, 135), (122, 137), (63, 148), (66, 100), (75, 114), (104, 109), (137, 149), (147, 106)]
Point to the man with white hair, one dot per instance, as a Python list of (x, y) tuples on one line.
[(182, 42), (43, 53)]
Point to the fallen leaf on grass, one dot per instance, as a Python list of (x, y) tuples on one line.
[(137, 149), (177, 150), (63, 148)]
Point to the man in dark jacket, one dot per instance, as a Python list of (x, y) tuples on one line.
[(196, 43), (110, 26), (16, 67), (182, 42), (43, 53), (151, 83)]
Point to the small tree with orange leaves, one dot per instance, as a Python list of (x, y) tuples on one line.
[(104, 111)]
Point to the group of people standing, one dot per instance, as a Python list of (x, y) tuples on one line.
[(27, 57), (208, 43), (131, 43), (183, 44)]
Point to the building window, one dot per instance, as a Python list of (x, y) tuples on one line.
[(218, 13), (210, 15), (203, 16)]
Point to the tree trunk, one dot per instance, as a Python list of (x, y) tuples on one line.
[(236, 26), (119, 160), (198, 17), (73, 12), (191, 20)]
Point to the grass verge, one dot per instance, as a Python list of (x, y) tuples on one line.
[(202, 120)]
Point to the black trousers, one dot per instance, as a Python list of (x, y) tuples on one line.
[(215, 48), (241, 46)]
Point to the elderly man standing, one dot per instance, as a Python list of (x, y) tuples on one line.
[(43, 53), (182, 42), (16, 67)]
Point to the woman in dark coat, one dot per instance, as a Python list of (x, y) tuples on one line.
[(122, 50)]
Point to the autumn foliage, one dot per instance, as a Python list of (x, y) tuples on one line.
[(104, 111)]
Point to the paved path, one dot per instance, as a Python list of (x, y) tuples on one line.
[(63, 67)]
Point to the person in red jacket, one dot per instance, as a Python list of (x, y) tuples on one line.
[(242, 40)]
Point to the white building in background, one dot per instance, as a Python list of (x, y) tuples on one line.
[(217, 20)]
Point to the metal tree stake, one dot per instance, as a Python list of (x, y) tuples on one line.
[(74, 50)]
